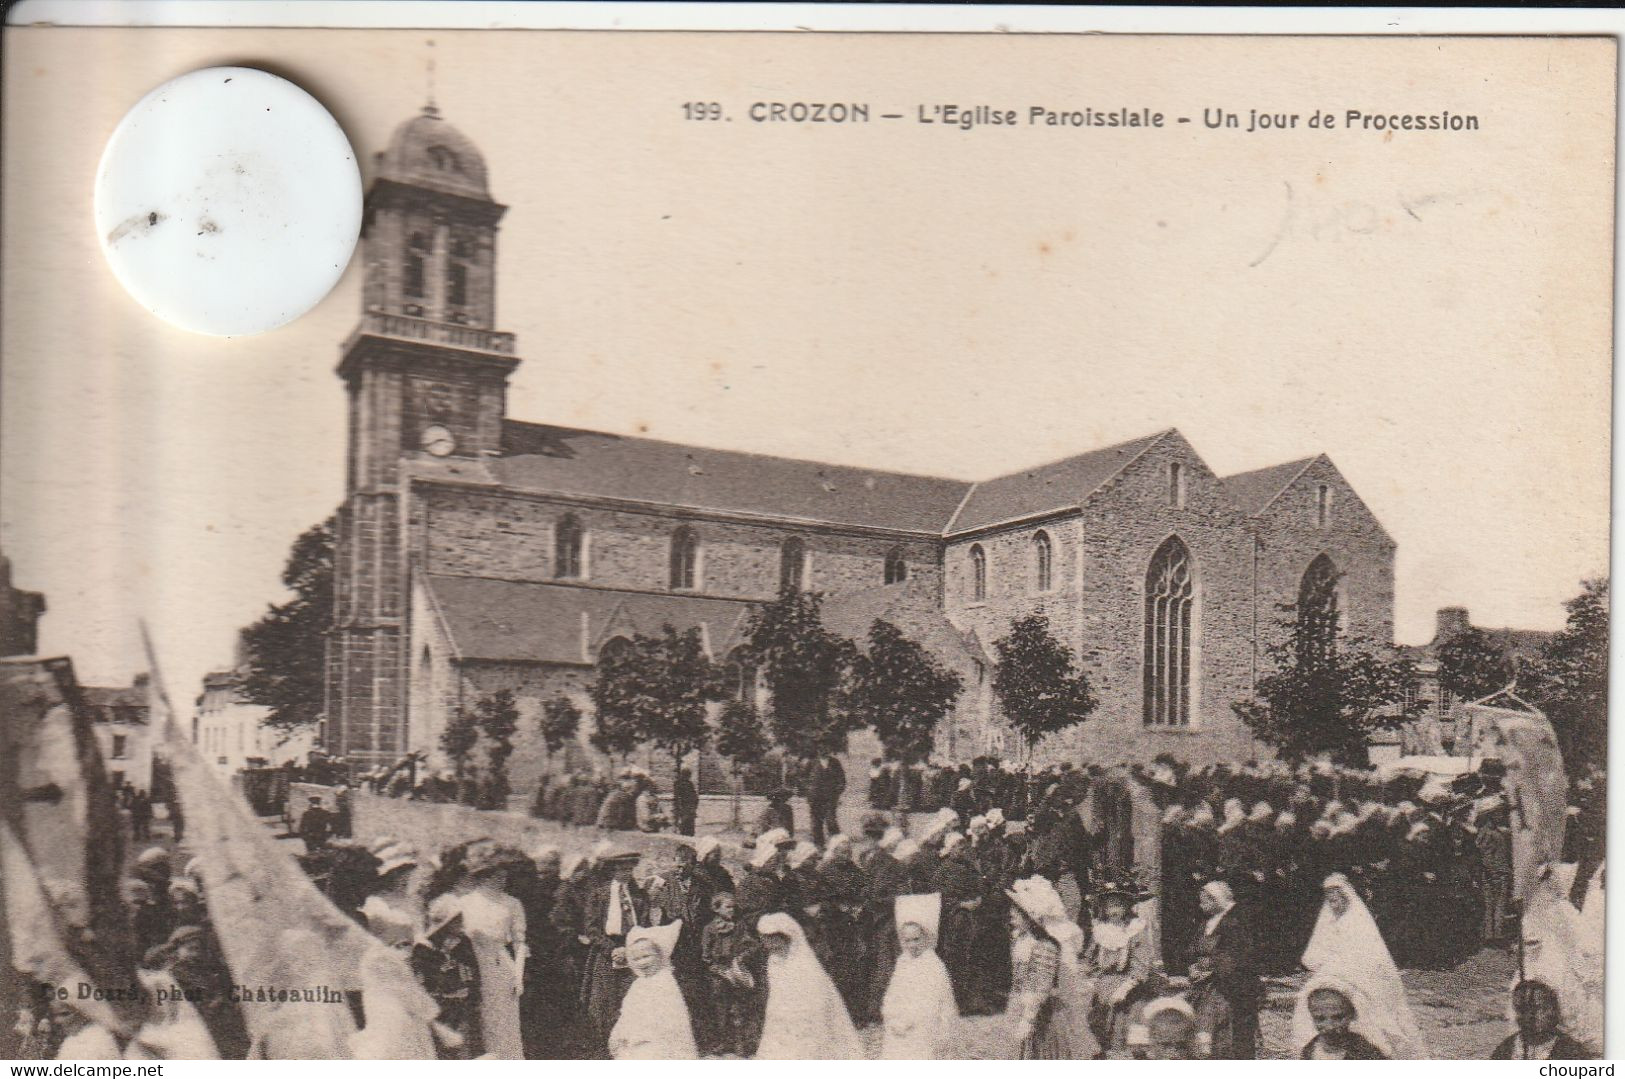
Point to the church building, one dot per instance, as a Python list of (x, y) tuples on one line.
[(477, 552)]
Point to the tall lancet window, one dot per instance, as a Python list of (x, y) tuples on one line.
[(1319, 617), (1170, 595), (896, 567), (567, 538), (685, 558), (978, 573), (792, 564), (1043, 556)]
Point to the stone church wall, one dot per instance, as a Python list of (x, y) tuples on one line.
[(490, 534)]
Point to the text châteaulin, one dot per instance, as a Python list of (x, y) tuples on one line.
[(968, 117)]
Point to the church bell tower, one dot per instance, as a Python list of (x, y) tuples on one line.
[(426, 375)]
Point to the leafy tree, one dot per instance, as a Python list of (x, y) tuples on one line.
[(1325, 695), (559, 722), (1037, 682), (900, 690), (1472, 665), (497, 717), (657, 690), (1568, 680), (803, 664), (457, 742), (287, 648), (742, 740), (684, 685)]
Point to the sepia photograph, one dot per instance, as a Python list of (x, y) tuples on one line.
[(800, 546)]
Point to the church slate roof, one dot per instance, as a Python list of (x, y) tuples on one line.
[(851, 614), (570, 461), (1254, 491), (537, 622), (564, 460), (1059, 485)]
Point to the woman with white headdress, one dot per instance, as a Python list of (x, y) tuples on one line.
[(1050, 996), (805, 1017), (1347, 946), (918, 1013), (654, 1023)]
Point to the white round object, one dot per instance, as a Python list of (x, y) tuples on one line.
[(228, 201)]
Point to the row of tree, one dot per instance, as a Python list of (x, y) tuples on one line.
[(660, 690), (1325, 695)]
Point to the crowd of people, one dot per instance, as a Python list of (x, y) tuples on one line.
[(890, 939)]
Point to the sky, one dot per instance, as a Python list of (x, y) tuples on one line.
[(1432, 310)]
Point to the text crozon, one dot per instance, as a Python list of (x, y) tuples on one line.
[(805, 112)]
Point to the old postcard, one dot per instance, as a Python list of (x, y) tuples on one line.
[(823, 546)]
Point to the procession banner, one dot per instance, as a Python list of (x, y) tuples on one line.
[(279, 933), (1536, 786)]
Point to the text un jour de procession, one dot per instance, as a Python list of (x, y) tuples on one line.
[(969, 117)]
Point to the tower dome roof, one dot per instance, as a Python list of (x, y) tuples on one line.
[(427, 152)]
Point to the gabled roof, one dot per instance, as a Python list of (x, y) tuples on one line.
[(1255, 491), (568, 461), (536, 622), (851, 614), (1059, 485)]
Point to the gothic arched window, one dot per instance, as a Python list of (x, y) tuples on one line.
[(685, 557), (978, 572), (1043, 556), (416, 249), (1318, 615), (896, 568), (1170, 595), (567, 537), (792, 564)]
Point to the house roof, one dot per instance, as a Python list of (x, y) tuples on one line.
[(1254, 491), (1518, 644), (564, 460), (1059, 485), (531, 621), (132, 697)]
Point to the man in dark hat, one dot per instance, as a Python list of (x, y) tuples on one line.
[(825, 786), (316, 826), (685, 802)]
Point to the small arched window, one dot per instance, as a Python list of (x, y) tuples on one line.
[(740, 677), (443, 159), (1043, 556), (792, 564), (416, 249), (896, 568), (614, 648), (978, 572), (1170, 596), (685, 557), (567, 536), (457, 285)]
